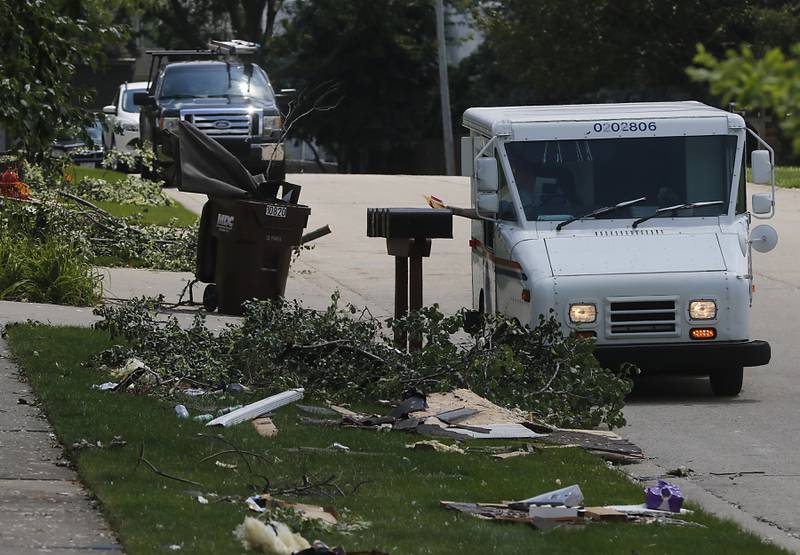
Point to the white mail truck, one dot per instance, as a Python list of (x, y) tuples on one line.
[(629, 223)]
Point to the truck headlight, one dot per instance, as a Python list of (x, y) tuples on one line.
[(702, 310), (130, 127), (168, 123), (582, 313), (272, 122)]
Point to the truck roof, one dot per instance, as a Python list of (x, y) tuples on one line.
[(490, 120)]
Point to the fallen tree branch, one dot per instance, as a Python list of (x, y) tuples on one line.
[(152, 467)]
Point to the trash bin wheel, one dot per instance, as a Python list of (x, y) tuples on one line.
[(210, 301), (727, 383)]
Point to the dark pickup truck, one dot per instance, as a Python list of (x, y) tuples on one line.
[(228, 99)]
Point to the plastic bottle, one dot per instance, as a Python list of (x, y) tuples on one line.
[(181, 411)]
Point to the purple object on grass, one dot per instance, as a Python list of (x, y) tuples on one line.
[(664, 496)]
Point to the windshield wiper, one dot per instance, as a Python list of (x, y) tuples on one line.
[(178, 96), (675, 208), (600, 212)]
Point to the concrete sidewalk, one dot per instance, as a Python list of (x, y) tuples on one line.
[(43, 506)]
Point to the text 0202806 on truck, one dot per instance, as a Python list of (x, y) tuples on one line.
[(629, 222), (225, 96)]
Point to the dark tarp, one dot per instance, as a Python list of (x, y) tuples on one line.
[(205, 166)]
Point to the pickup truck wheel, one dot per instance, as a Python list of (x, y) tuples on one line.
[(728, 382)]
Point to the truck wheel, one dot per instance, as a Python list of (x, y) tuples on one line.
[(210, 301), (728, 382)]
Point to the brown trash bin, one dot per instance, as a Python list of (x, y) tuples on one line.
[(253, 241)]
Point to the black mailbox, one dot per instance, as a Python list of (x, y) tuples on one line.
[(408, 233)]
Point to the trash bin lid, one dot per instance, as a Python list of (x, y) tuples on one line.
[(205, 166)]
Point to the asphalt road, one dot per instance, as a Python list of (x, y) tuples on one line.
[(675, 420)]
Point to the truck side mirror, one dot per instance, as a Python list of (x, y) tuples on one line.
[(486, 175), (143, 99), (764, 238), (488, 202), (762, 203), (762, 167), (110, 109)]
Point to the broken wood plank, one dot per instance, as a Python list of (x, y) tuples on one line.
[(456, 415), (265, 426), (606, 514), (512, 454), (594, 440)]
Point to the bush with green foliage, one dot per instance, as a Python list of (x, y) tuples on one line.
[(130, 190), (46, 270), (771, 81), (96, 234), (344, 354)]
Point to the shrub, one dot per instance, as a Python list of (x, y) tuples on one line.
[(131, 190), (345, 355), (48, 270)]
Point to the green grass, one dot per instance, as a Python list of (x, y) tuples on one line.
[(78, 172), (401, 499), (152, 215)]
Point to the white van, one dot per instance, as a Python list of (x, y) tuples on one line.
[(629, 222)]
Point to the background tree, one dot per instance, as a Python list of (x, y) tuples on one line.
[(566, 51), (771, 82), (380, 54), (41, 43), (191, 23)]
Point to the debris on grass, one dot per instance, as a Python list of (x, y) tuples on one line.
[(181, 411), (664, 496), (318, 411), (273, 537), (605, 444), (570, 496), (264, 502), (254, 410), (433, 445), (569, 511), (265, 426), (226, 465), (107, 386), (529, 450), (643, 510)]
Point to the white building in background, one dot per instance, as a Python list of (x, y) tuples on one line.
[(463, 38)]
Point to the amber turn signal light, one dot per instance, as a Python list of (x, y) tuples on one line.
[(703, 333)]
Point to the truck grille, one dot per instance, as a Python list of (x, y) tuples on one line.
[(223, 124), (655, 316)]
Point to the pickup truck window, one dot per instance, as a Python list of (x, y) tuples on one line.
[(557, 180), (215, 80)]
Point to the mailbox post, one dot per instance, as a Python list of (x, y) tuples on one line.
[(408, 233)]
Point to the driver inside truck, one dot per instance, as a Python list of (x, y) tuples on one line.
[(546, 190)]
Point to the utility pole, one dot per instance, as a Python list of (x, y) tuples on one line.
[(444, 92)]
